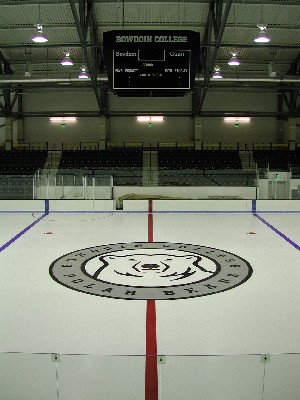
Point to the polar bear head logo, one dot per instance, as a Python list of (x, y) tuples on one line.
[(151, 269)]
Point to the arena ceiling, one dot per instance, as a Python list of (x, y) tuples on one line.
[(224, 26)]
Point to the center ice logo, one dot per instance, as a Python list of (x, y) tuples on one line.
[(143, 271), (151, 269)]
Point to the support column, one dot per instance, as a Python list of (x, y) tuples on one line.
[(291, 133), (8, 133), (2, 131), (20, 130), (280, 131), (103, 131), (20, 121), (198, 133)]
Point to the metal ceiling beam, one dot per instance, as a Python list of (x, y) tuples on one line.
[(209, 114), (100, 44), (82, 25), (103, 78), (212, 57), (247, 2), (178, 23), (55, 61)]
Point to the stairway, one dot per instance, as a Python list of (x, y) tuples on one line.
[(52, 163), (150, 168), (247, 160)]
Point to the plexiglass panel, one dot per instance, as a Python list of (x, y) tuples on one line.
[(94, 377)]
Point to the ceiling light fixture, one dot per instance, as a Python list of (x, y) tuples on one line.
[(150, 119), (66, 60), (83, 74), (39, 37), (262, 37), (217, 74), (237, 119), (233, 60), (63, 119)]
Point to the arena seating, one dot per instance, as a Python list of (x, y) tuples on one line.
[(124, 165), (277, 160), (21, 162), (199, 159)]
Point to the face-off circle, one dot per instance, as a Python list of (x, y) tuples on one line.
[(150, 271)]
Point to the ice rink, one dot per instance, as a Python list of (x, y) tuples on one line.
[(223, 278)]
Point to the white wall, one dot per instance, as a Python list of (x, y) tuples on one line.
[(59, 100), (127, 129), (142, 104), (40, 129), (173, 129), (260, 129)]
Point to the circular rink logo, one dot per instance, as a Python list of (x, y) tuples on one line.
[(150, 271)]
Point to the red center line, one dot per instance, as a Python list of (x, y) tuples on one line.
[(151, 377)]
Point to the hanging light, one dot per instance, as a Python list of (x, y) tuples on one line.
[(66, 60), (39, 37), (262, 37), (217, 74), (83, 74), (233, 60)]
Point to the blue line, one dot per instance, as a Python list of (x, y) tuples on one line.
[(282, 235), (12, 240), (253, 205), (46, 206)]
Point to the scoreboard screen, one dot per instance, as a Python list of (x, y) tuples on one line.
[(145, 63)]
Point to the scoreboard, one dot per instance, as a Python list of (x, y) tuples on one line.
[(151, 63), (144, 69)]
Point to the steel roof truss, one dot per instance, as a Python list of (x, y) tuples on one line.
[(83, 25), (210, 61)]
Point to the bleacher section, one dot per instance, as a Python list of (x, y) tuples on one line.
[(174, 166), (17, 168), (201, 168), (198, 159), (21, 162), (277, 160), (125, 165)]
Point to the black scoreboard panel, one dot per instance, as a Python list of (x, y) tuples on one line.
[(151, 63), (164, 69)]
